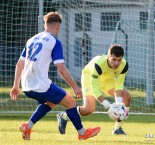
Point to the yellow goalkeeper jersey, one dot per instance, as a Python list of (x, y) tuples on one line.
[(97, 76)]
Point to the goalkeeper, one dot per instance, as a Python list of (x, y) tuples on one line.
[(103, 75)]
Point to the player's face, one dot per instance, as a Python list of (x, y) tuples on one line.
[(58, 27), (114, 61)]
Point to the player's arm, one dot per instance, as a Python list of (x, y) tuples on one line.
[(58, 59), (65, 74), (95, 80), (18, 72), (14, 93), (119, 84), (97, 71)]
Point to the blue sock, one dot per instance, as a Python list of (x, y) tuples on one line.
[(74, 118), (40, 112)]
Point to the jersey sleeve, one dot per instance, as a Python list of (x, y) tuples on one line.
[(97, 71), (119, 83), (57, 53), (23, 54)]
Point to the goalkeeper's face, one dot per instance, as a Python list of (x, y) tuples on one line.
[(114, 61)]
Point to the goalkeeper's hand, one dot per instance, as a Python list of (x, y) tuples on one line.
[(125, 110), (110, 109)]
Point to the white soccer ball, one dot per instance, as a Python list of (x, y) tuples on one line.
[(122, 113)]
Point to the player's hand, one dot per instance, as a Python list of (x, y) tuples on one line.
[(14, 93), (112, 111), (78, 92), (122, 105)]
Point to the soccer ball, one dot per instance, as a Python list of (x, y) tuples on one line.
[(122, 113), (111, 116)]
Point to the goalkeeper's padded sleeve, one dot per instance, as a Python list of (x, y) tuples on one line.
[(97, 71)]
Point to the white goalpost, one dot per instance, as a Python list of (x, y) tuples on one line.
[(88, 28)]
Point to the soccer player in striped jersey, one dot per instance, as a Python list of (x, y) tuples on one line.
[(32, 69), (103, 75)]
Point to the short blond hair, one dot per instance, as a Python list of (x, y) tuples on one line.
[(52, 17)]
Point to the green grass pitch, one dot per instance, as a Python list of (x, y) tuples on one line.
[(140, 130)]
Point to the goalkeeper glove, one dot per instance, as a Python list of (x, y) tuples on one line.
[(112, 112)]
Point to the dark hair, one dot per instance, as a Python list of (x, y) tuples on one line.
[(117, 50), (52, 17)]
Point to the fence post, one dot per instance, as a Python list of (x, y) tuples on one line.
[(40, 17), (150, 56)]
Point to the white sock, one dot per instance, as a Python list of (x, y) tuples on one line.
[(78, 110), (82, 131), (118, 125), (64, 116), (30, 124)]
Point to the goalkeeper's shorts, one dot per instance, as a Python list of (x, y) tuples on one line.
[(54, 95)]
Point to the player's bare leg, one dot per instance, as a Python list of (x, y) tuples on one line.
[(87, 108), (89, 105), (40, 112), (62, 117), (83, 133), (118, 130)]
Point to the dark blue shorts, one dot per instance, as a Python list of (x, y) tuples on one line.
[(54, 95)]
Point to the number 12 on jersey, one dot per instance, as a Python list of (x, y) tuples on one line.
[(34, 49)]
